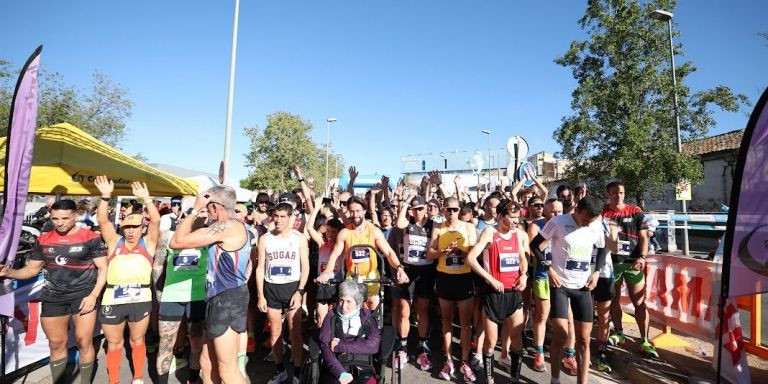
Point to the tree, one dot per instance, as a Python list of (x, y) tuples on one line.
[(623, 123), (283, 143), (102, 112)]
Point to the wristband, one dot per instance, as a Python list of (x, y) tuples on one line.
[(301, 180), (399, 266), (194, 212), (301, 291)]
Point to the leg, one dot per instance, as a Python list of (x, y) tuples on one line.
[(571, 342), (540, 323), (84, 326), (195, 343), (209, 370), (293, 317), (114, 336), (275, 319), (637, 295), (583, 330), (403, 320), (616, 311), (138, 329), (55, 329), (465, 320), (422, 311), (372, 302), (491, 334), (226, 347), (559, 331), (446, 309), (167, 330), (603, 321), (478, 323), (322, 310), (516, 325)]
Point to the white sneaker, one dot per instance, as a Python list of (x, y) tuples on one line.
[(401, 359), (279, 378), (137, 381), (476, 363)]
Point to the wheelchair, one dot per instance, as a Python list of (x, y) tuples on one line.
[(361, 366)]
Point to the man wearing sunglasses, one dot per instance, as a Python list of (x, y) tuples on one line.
[(229, 246), (505, 250), (411, 238)]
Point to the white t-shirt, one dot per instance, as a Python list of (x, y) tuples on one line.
[(166, 221), (283, 261), (572, 248)]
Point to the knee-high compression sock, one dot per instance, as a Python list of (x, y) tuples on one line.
[(86, 372), (514, 367), (162, 379), (138, 356), (488, 365), (114, 358), (194, 375), (58, 369)]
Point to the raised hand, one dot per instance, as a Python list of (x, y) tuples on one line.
[(104, 185), (353, 173), (140, 190), (297, 172), (385, 183), (434, 178)]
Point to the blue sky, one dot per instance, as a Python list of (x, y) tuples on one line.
[(402, 77)]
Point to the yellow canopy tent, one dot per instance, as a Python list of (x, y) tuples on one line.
[(67, 160)]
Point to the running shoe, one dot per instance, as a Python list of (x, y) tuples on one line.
[(616, 338), (570, 366), (278, 378), (476, 363), (137, 381), (270, 357), (447, 371), (424, 363), (649, 349), (401, 359), (538, 363), (602, 362), (469, 375)]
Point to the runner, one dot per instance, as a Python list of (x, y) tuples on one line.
[(629, 265), (362, 262), (488, 219), (127, 296), (229, 244), (75, 270), (573, 237), (411, 238), (179, 276), (327, 295), (281, 277), (454, 283), (505, 254)]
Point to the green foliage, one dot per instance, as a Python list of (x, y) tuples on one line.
[(623, 124), (274, 151), (102, 112)]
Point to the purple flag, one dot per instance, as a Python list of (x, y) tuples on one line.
[(18, 164), (745, 258)]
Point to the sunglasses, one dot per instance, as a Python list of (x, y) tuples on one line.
[(262, 202), (418, 208), (175, 204), (343, 203), (452, 209), (538, 205)]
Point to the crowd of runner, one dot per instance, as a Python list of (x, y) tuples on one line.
[(217, 277)]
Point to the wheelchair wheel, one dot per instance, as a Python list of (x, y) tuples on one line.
[(310, 372)]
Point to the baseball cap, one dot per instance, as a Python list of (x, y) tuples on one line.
[(285, 197), (418, 201), (132, 219), (176, 200), (436, 202), (187, 203)]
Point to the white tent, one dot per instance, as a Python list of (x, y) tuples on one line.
[(205, 182)]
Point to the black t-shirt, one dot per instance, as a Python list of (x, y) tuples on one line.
[(412, 243), (69, 271), (630, 220)]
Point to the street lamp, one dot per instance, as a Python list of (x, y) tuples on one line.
[(663, 15), (487, 132), (328, 122)]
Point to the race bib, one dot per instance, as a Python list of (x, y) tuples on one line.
[(454, 262), (127, 292), (280, 270), (624, 248), (577, 265), (416, 256), (360, 255), (186, 259), (509, 262)]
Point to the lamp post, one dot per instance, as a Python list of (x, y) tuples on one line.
[(328, 122), (487, 132), (663, 15), (230, 98)]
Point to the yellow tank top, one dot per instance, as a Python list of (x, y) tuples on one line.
[(129, 274), (364, 259), (455, 263)]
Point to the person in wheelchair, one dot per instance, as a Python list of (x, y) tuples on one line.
[(348, 339)]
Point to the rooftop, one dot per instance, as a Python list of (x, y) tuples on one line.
[(723, 142)]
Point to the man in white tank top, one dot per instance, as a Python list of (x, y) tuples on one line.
[(281, 275)]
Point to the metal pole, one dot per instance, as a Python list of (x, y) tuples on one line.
[(489, 162), (686, 250), (327, 144), (230, 96)]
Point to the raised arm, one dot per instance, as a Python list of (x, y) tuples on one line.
[(153, 229), (352, 177), (515, 190), (313, 233), (105, 187), (338, 248), (402, 214), (543, 191), (372, 206), (385, 200), (304, 188), (437, 181)]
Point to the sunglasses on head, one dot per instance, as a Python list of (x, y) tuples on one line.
[(452, 209), (513, 207)]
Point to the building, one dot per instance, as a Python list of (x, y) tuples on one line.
[(548, 168), (718, 156), (465, 163)]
